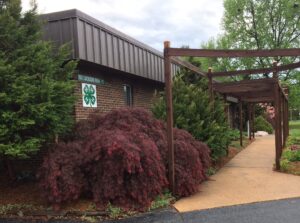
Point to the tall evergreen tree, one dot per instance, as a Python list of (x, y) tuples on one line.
[(36, 86)]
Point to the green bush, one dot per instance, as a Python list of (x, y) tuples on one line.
[(284, 165), (261, 124), (293, 140), (291, 155), (234, 134), (194, 112)]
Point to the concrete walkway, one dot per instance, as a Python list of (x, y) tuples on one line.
[(247, 178)]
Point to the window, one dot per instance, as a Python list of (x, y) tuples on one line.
[(128, 95)]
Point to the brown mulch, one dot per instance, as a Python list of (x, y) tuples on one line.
[(14, 193), (29, 192)]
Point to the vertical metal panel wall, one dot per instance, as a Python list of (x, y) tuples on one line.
[(103, 47), (96, 42), (63, 31)]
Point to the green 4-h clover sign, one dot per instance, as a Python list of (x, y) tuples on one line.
[(89, 96)]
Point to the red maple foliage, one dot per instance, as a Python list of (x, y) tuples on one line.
[(121, 157)]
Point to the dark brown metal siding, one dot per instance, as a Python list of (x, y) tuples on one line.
[(122, 54), (103, 47), (89, 43), (126, 57), (97, 48), (81, 40), (96, 42), (61, 32)]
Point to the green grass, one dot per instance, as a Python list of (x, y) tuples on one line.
[(294, 128), (162, 201)]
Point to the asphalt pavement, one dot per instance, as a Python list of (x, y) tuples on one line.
[(281, 211)]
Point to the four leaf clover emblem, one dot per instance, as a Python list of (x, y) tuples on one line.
[(89, 95)]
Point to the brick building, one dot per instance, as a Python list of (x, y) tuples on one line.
[(114, 70)]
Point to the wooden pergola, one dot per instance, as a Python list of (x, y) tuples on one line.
[(265, 90)]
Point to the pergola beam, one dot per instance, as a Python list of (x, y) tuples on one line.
[(258, 100), (245, 87), (256, 71), (253, 94), (227, 89), (233, 53), (188, 65)]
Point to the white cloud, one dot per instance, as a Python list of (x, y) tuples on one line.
[(188, 22)]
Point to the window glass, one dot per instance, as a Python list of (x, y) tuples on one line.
[(128, 94)]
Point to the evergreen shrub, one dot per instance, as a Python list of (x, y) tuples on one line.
[(261, 124), (36, 84), (194, 112)]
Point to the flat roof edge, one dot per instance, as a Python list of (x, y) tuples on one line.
[(75, 13)]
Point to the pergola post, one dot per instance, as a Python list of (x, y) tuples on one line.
[(250, 120), (253, 120), (287, 118), (169, 105), (277, 127), (210, 85), (241, 122), (284, 120), (226, 108), (280, 121), (278, 134)]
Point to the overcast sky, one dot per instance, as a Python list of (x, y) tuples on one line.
[(183, 22)]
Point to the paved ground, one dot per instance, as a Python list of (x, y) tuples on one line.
[(282, 211), (247, 178)]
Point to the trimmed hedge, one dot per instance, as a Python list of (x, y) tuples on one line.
[(121, 158)]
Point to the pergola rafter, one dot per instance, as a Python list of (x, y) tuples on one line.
[(256, 71), (250, 91), (232, 53), (189, 66)]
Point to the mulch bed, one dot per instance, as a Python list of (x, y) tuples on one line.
[(26, 196), (29, 194)]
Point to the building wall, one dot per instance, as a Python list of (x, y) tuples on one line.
[(110, 95)]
